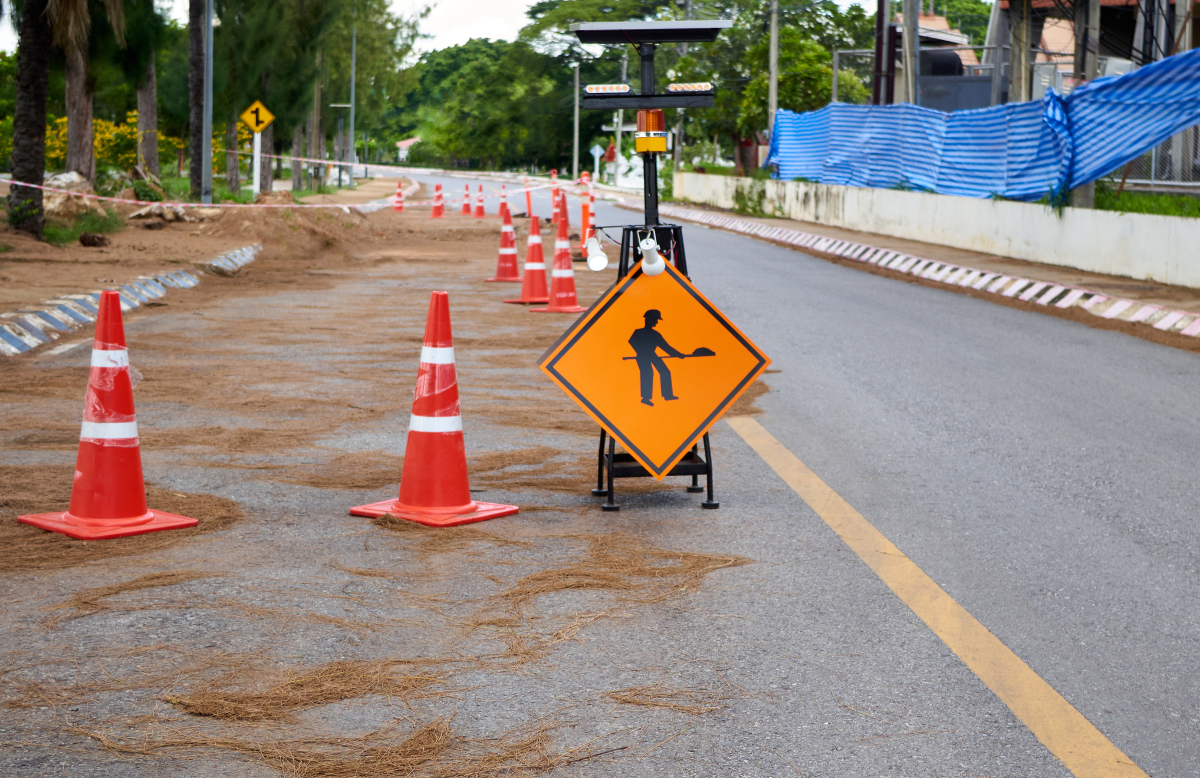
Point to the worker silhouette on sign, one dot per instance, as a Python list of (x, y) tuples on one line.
[(646, 342)]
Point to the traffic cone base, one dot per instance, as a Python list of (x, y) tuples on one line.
[(559, 309), (106, 529), (482, 512)]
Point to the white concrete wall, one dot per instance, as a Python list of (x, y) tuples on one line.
[(1145, 247)]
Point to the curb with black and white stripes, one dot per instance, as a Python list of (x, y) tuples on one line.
[(30, 328), (1026, 289)]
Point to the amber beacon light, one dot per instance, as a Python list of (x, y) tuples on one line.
[(607, 89), (651, 135)]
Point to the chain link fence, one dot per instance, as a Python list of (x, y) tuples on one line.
[(1172, 164)]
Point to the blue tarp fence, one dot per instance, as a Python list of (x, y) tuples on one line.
[(1021, 151)]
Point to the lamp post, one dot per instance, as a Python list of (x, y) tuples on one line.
[(353, 61), (773, 86), (575, 145)]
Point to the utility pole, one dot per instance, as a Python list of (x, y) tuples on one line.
[(206, 190), (773, 86), (575, 146), (620, 115), (912, 50), (353, 60), (675, 158)]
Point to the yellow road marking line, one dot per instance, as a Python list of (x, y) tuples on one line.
[(1061, 728)]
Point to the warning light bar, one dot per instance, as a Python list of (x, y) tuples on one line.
[(599, 89), (702, 86)]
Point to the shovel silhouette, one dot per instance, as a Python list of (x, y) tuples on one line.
[(700, 352)]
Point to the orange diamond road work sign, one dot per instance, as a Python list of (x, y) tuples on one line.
[(655, 364), (257, 117)]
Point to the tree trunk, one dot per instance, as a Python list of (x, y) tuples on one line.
[(81, 140), (233, 165), (267, 166), (196, 139), (298, 151), (147, 124), (29, 119), (316, 145)]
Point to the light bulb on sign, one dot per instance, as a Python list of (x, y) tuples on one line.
[(653, 263), (595, 255)]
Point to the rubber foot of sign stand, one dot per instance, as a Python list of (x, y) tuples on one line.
[(696, 489), (599, 492), (712, 506), (483, 511), (117, 528), (610, 507)]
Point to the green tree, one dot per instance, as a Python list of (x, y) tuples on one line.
[(969, 16), (805, 79)]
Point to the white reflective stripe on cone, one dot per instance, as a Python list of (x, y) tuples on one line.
[(506, 228), (568, 273), (432, 355), (435, 424), (535, 239), (535, 265), (109, 430), (562, 244), (508, 251), (114, 358)]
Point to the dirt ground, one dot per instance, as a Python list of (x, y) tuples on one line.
[(283, 635)]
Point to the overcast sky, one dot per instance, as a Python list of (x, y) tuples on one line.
[(452, 21)]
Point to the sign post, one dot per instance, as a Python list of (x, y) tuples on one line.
[(597, 153), (257, 118)]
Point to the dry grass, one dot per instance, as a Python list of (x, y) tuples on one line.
[(695, 702), (627, 565), (431, 750), (90, 601), (440, 540), (47, 488), (305, 688)]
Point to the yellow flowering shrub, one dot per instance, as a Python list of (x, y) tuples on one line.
[(115, 144)]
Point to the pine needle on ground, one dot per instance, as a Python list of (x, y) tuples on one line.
[(627, 565), (307, 688)]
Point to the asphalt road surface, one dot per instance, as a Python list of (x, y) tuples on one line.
[(1041, 472)]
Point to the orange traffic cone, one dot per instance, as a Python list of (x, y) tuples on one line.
[(503, 200), (528, 197), (554, 197), (506, 265), (589, 204), (434, 489), (108, 497), (398, 202), (466, 207), (439, 206), (562, 278), (479, 212), (533, 288)]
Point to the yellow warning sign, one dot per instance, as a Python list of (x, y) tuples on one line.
[(257, 117), (656, 364)]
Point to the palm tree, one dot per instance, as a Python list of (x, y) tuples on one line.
[(43, 23)]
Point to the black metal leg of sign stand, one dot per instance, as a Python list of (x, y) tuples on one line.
[(610, 504), (710, 503), (600, 491)]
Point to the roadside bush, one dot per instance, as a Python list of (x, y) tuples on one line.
[(62, 234)]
